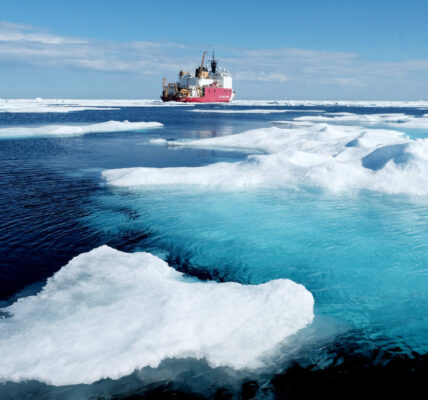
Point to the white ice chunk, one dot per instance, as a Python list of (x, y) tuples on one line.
[(158, 141), (107, 313)]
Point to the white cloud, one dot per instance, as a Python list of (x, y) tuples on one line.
[(10, 32), (351, 82), (262, 76)]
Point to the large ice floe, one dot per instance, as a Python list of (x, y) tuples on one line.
[(302, 154), (68, 130), (107, 313)]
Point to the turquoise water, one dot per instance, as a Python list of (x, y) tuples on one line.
[(362, 257)]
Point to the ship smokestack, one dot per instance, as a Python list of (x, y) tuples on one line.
[(213, 65)]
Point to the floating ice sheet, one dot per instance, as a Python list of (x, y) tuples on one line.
[(107, 313), (67, 130), (332, 157)]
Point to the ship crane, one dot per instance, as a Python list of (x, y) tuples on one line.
[(202, 65)]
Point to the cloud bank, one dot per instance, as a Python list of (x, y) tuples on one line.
[(282, 72)]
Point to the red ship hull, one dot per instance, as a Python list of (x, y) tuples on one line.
[(211, 95)]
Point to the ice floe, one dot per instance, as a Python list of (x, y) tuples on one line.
[(39, 105), (250, 111), (336, 158), (71, 105), (159, 141), (69, 130), (107, 313), (393, 120), (330, 103)]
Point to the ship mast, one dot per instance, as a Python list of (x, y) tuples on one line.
[(213, 65)]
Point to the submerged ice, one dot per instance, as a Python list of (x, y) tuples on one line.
[(107, 313), (336, 158)]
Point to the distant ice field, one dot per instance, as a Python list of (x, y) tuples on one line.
[(40, 105), (72, 105), (240, 237)]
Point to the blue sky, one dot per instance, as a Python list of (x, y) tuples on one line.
[(367, 50)]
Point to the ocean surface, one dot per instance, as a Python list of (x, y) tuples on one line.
[(288, 242)]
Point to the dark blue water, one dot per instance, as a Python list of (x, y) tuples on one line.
[(363, 257)]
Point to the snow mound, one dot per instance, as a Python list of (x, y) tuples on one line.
[(66, 130), (107, 313), (332, 157)]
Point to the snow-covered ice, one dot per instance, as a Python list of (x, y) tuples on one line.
[(107, 313), (332, 157)]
